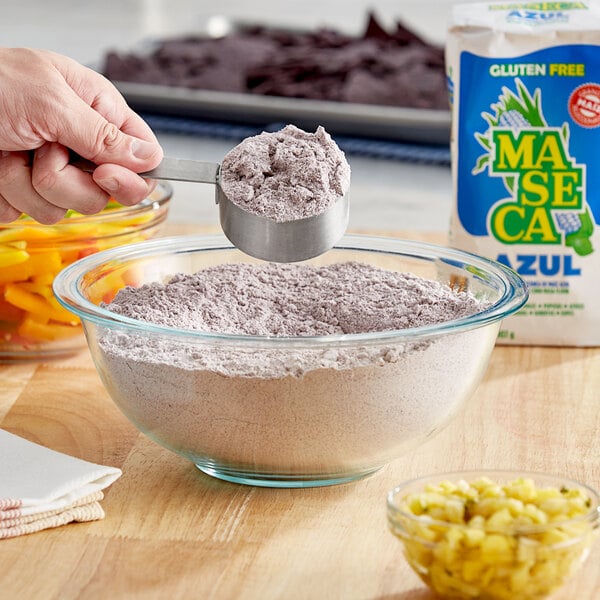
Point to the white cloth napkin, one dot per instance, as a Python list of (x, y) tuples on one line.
[(41, 488)]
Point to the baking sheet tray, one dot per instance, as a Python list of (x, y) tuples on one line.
[(364, 120)]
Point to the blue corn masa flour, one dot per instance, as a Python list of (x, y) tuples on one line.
[(525, 90)]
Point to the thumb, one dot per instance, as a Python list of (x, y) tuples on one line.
[(92, 136)]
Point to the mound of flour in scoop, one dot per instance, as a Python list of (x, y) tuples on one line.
[(285, 175), (272, 299)]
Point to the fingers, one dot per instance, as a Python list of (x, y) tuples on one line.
[(63, 185), (73, 107), (47, 188), (124, 185), (82, 110), (8, 213), (126, 141), (118, 139), (18, 193), (103, 97)]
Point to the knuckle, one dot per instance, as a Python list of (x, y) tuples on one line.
[(107, 138)]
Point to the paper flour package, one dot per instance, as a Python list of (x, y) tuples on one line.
[(525, 90)]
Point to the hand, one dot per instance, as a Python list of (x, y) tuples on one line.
[(50, 104)]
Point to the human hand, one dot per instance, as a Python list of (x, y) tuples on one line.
[(49, 104)]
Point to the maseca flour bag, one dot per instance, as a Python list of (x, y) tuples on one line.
[(525, 90)]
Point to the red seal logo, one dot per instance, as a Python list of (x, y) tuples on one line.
[(584, 105)]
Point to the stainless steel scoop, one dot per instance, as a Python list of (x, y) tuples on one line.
[(288, 241)]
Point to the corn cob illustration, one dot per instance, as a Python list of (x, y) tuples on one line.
[(514, 119), (569, 222), (517, 111), (577, 227)]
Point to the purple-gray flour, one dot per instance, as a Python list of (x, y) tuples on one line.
[(270, 405), (279, 299), (287, 300), (286, 175)]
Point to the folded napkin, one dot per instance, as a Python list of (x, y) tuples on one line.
[(41, 488)]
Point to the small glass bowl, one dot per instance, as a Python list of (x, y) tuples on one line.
[(497, 558), (33, 325), (205, 396)]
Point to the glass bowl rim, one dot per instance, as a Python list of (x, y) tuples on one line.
[(395, 513), (163, 192), (513, 289)]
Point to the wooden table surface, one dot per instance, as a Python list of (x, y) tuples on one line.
[(173, 532)]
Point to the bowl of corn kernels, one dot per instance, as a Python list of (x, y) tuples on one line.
[(494, 534), (33, 325)]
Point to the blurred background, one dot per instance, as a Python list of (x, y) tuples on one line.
[(387, 192)]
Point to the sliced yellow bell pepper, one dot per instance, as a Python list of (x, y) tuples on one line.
[(61, 314), (34, 303), (10, 256), (41, 263), (36, 288), (29, 234), (40, 331)]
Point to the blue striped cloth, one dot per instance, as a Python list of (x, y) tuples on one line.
[(369, 147)]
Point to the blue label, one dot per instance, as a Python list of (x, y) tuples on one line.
[(528, 160)]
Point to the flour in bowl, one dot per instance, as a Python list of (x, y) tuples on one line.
[(276, 405), (290, 300)]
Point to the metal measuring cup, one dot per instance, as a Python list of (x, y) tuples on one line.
[(287, 241)]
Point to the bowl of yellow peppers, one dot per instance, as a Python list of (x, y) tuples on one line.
[(33, 325)]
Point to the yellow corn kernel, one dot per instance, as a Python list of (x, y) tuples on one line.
[(471, 570), (455, 511), (522, 488), (487, 505), (433, 499), (477, 522), (555, 506), (447, 487), (515, 506), (500, 521), (535, 514), (553, 536), (496, 548), (473, 537)]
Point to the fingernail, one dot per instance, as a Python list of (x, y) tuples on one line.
[(143, 150), (110, 184)]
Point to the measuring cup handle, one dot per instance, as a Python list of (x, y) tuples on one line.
[(174, 169)]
